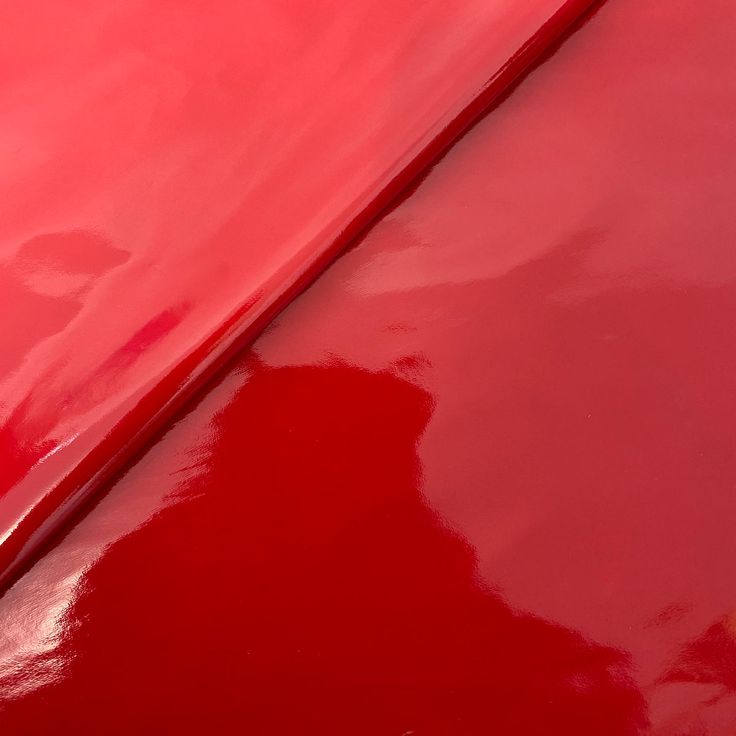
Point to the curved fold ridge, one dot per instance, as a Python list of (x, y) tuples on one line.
[(173, 176)]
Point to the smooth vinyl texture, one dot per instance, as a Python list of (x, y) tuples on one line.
[(173, 173), (478, 479)]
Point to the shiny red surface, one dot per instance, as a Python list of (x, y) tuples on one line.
[(173, 174), (478, 479)]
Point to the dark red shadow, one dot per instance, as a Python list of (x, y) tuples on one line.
[(303, 586)]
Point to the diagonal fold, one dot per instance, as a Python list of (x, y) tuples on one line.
[(175, 176)]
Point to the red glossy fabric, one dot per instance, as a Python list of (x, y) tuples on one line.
[(173, 172), (478, 479)]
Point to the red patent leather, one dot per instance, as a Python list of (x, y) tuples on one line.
[(174, 174), (478, 479)]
